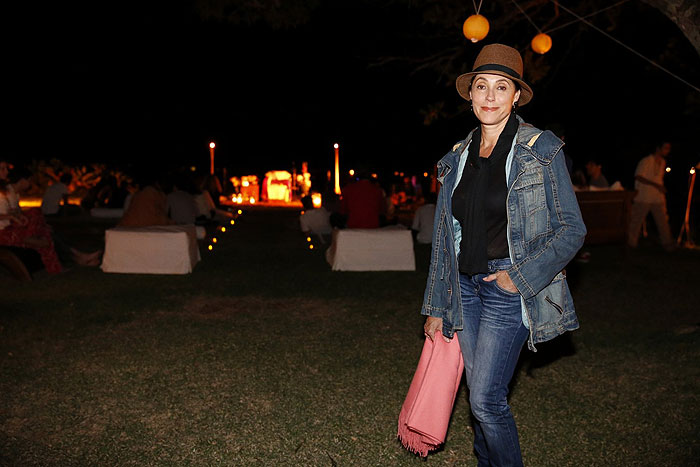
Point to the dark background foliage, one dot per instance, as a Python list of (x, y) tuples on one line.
[(276, 83)]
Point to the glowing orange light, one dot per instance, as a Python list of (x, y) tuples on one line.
[(214, 240), (223, 229), (351, 172), (541, 43), (308, 239), (30, 203), (212, 145), (240, 212), (311, 247), (374, 175), (245, 183), (232, 221), (193, 169), (668, 169), (316, 200), (475, 28), (425, 174), (252, 200), (692, 170), (211, 247)]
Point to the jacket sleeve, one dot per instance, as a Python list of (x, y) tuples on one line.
[(539, 267), (428, 308)]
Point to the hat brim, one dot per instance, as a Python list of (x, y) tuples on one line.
[(465, 80)]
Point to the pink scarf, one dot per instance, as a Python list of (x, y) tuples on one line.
[(426, 411)]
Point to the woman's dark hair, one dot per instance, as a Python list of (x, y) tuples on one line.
[(307, 202), (19, 173)]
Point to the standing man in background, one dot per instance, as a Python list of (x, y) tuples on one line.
[(651, 196)]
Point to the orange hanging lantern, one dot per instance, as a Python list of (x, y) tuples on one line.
[(475, 28), (541, 43)]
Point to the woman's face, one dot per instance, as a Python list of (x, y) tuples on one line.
[(493, 97), (4, 170)]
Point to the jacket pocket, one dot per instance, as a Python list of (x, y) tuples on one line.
[(552, 303), (530, 190)]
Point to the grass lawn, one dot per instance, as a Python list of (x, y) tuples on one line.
[(263, 356)]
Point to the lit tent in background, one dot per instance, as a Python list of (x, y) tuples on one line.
[(277, 186)]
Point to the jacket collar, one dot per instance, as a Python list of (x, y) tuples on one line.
[(542, 145)]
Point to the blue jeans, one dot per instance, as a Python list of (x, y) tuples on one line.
[(491, 341)]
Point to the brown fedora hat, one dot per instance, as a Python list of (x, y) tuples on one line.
[(497, 59)]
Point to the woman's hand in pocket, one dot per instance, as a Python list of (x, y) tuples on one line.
[(503, 280)]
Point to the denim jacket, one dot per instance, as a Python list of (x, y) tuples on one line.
[(545, 230)]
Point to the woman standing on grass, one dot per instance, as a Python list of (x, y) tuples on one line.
[(507, 222)]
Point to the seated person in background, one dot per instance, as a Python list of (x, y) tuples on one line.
[(55, 194), (314, 220), (112, 194), (595, 174), (148, 206), (578, 179), (206, 208), (363, 203), (210, 185), (423, 220), (25, 229), (181, 205)]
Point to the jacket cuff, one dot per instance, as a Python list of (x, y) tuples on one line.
[(521, 283), (426, 311)]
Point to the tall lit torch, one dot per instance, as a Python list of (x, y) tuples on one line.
[(337, 168), (212, 145)]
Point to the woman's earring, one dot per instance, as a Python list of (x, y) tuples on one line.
[(471, 107), (515, 106)]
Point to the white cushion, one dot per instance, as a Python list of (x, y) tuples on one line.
[(387, 249), (151, 250)]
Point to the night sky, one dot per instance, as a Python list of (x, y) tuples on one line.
[(134, 83)]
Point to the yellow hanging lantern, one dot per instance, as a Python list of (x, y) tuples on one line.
[(541, 43), (475, 28)]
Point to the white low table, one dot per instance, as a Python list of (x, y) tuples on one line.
[(386, 249), (168, 249)]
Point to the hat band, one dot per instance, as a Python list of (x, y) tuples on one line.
[(496, 67)]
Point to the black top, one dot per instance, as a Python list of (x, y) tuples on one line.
[(479, 203)]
